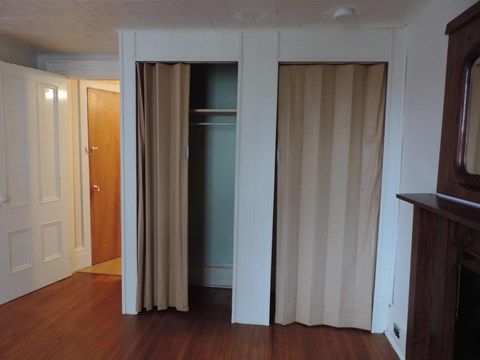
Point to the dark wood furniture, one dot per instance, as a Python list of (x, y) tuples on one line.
[(446, 235)]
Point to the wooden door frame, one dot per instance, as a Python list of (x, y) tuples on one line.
[(83, 242)]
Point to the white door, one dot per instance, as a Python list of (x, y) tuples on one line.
[(36, 205)]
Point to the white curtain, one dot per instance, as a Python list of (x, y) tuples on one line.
[(330, 137), (162, 185)]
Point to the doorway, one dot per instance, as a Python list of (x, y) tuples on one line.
[(104, 168), (328, 185), (99, 247), (186, 136)]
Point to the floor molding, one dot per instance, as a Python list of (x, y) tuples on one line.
[(211, 275)]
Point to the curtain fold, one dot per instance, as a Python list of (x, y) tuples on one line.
[(330, 137), (162, 188)]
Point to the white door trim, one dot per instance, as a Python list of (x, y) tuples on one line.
[(93, 69), (101, 68)]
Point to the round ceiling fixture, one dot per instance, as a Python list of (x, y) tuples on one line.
[(343, 13)]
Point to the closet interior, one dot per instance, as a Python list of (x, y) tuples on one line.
[(211, 173)]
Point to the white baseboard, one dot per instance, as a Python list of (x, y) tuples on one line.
[(210, 275), (393, 342)]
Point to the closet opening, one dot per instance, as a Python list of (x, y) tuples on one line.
[(186, 151), (97, 187), (330, 136), (211, 176)]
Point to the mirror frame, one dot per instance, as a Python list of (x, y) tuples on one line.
[(464, 176), (463, 51)]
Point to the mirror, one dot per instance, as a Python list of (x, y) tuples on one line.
[(459, 162), (472, 145)]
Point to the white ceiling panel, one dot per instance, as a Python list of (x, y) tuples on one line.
[(191, 23), (157, 9), (264, 7), (282, 21), (90, 26), (227, 22), (62, 9), (202, 8)]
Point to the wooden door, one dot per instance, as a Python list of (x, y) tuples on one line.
[(104, 165), (36, 177)]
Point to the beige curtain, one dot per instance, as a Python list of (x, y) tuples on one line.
[(330, 137), (162, 173)]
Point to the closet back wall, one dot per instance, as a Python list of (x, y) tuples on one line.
[(211, 183)]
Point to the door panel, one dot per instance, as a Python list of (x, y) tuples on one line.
[(36, 203), (48, 156), (15, 142), (104, 149)]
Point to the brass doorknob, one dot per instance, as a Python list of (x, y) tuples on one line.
[(96, 188), (91, 149)]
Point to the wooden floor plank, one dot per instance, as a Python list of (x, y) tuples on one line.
[(109, 267), (80, 318)]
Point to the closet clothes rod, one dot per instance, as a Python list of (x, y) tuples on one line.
[(213, 124)]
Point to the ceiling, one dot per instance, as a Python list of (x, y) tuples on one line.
[(90, 26)]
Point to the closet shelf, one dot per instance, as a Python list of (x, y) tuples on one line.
[(213, 124), (206, 112)]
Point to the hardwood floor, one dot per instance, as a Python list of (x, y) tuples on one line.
[(109, 267), (80, 318)]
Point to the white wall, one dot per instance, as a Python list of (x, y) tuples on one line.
[(15, 53), (423, 108), (81, 66), (255, 177), (258, 54)]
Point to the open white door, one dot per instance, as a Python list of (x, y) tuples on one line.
[(36, 203)]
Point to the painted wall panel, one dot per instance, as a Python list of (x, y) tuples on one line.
[(48, 156), (16, 143), (335, 43), (128, 172), (51, 235), (255, 178), (186, 45), (20, 250)]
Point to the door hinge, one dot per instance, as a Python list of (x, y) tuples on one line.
[(278, 155), (187, 152)]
